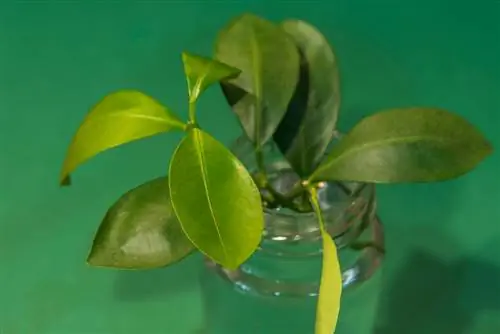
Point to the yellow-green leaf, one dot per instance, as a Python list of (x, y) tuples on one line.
[(201, 72), (405, 145), (119, 118), (215, 199), (330, 289), (140, 231)]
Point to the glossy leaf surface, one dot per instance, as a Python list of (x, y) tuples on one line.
[(269, 61), (119, 118), (140, 231), (406, 145), (308, 125), (202, 72), (215, 199)]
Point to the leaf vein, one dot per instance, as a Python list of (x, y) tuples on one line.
[(204, 172), (256, 64), (400, 140)]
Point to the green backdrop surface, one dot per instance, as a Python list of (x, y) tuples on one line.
[(57, 58)]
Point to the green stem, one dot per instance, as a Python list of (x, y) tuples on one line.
[(297, 190), (280, 199), (277, 197), (259, 155), (192, 112), (313, 195)]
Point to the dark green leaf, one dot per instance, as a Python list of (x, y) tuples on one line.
[(140, 231), (405, 145), (215, 199), (119, 118), (308, 125), (202, 72), (269, 61)]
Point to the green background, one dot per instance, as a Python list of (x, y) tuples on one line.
[(57, 58)]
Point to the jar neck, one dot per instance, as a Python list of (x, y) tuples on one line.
[(346, 214)]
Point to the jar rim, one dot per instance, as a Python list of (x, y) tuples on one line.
[(289, 213)]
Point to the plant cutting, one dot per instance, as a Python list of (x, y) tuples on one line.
[(281, 80)]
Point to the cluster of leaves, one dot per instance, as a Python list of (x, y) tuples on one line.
[(281, 81)]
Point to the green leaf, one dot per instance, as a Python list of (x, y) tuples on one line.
[(202, 72), (140, 231), (311, 119), (119, 118), (269, 61), (215, 199), (405, 145)]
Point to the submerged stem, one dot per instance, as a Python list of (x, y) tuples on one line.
[(264, 183), (297, 190), (313, 196), (275, 197)]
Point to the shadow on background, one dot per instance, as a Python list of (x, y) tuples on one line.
[(156, 284), (228, 311), (411, 279), (425, 296)]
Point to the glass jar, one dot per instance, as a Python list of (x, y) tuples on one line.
[(287, 264)]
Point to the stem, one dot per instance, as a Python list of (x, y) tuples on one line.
[(297, 190), (259, 156), (281, 199), (277, 197), (316, 207), (192, 112)]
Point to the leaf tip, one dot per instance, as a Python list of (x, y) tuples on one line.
[(65, 181), (98, 259), (489, 148), (185, 57), (232, 263), (91, 262), (233, 72), (231, 266), (484, 150)]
